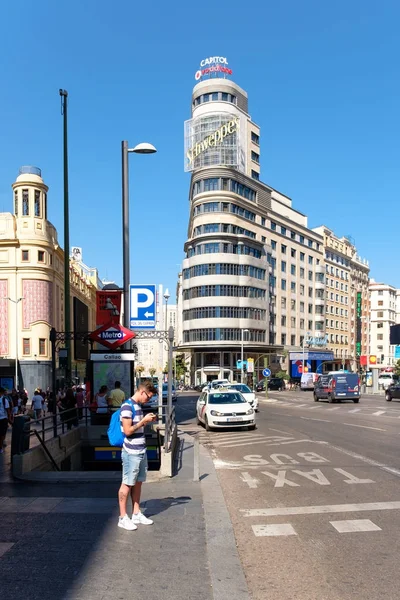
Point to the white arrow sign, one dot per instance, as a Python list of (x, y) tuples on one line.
[(147, 314)]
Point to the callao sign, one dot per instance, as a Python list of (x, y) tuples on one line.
[(112, 335), (213, 65)]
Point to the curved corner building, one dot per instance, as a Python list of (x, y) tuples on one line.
[(229, 278)]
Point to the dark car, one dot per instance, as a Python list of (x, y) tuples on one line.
[(336, 387), (276, 383), (393, 391), (260, 387)]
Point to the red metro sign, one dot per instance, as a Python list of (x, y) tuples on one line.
[(112, 335)]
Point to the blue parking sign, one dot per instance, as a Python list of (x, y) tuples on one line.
[(266, 372), (142, 304)]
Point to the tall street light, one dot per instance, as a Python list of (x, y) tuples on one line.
[(241, 354), (166, 298), (143, 148), (16, 302)]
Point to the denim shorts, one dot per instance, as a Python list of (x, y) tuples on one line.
[(134, 467)]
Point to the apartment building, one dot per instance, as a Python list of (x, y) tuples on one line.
[(383, 314)]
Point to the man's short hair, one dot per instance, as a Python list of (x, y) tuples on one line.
[(117, 384), (148, 386)]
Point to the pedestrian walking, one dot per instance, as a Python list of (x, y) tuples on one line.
[(6, 417), (134, 457), (116, 396), (37, 404), (101, 400), (71, 416)]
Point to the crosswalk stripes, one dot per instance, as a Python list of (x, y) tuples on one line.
[(287, 529), (228, 439)]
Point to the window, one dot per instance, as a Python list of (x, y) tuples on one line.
[(293, 286), (283, 302), (302, 272), (283, 284), (283, 339), (283, 249), (292, 321), (255, 138), (263, 238), (293, 269), (283, 320), (25, 203), (301, 307), (310, 325), (310, 243), (273, 226), (302, 256), (255, 157), (283, 230), (380, 325), (25, 255), (380, 292), (292, 235), (273, 245), (16, 203), (310, 260), (380, 336), (380, 315), (283, 266), (51, 258), (211, 184), (255, 175), (37, 203), (301, 323), (301, 238), (26, 346), (293, 340), (380, 303), (310, 292), (214, 96), (310, 275), (310, 309), (263, 221), (40, 256), (42, 347), (301, 290), (293, 253), (293, 305)]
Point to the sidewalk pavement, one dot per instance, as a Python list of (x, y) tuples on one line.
[(61, 541)]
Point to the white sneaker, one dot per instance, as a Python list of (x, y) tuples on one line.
[(126, 523), (140, 519)]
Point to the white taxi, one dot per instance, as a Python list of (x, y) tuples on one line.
[(219, 408), (246, 393)]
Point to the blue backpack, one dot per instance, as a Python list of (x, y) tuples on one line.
[(115, 435)]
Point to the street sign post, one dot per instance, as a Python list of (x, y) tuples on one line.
[(266, 372), (142, 313)]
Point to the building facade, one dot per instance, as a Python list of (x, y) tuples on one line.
[(253, 280), (32, 287), (346, 322), (383, 303)]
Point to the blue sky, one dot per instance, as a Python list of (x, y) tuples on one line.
[(323, 84)]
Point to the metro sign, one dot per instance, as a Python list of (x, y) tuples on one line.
[(112, 335)]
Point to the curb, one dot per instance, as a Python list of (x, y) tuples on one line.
[(226, 572)]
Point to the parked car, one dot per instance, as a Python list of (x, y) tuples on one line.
[(336, 387), (221, 408), (387, 379), (165, 393), (393, 391), (215, 383), (260, 387), (247, 393), (276, 383)]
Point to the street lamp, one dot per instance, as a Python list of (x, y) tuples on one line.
[(166, 298), (16, 302), (142, 148), (241, 355)]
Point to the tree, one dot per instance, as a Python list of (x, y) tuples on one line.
[(397, 367), (152, 371), (139, 370), (282, 374), (180, 365)]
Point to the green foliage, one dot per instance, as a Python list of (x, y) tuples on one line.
[(397, 368), (282, 374)]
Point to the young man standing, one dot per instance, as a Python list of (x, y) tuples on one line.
[(134, 457), (116, 396), (5, 417)]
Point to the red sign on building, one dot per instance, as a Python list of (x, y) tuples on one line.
[(108, 306), (112, 335)]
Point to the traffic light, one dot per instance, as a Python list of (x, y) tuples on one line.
[(382, 358)]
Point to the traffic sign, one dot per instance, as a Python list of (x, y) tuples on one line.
[(142, 306), (266, 372), (112, 335)]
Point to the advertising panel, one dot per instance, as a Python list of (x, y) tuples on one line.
[(108, 306), (358, 324), (81, 325), (214, 139)]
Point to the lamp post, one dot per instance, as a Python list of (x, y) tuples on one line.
[(16, 302), (166, 298), (241, 355), (143, 148)]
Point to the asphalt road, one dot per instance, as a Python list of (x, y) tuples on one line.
[(313, 494)]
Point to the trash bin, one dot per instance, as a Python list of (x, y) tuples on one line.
[(20, 436)]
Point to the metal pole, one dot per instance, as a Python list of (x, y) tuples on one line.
[(125, 231), (53, 339), (169, 400), (16, 343), (166, 314), (241, 359), (67, 289)]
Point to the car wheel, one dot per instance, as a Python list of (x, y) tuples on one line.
[(388, 397), (356, 400), (315, 397), (252, 427), (331, 399), (208, 428), (198, 421)]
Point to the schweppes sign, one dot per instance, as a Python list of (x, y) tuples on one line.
[(214, 139)]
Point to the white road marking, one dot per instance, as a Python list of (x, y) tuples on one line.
[(300, 405), (5, 547), (334, 408), (351, 478), (319, 510), (251, 481), (279, 431), (273, 530), (311, 419), (234, 439), (369, 461), (364, 426), (379, 412), (354, 410), (353, 525)]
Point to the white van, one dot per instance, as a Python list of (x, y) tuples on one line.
[(307, 381), (386, 379)]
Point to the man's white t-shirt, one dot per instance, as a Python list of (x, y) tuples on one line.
[(37, 402), (4, 404)]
